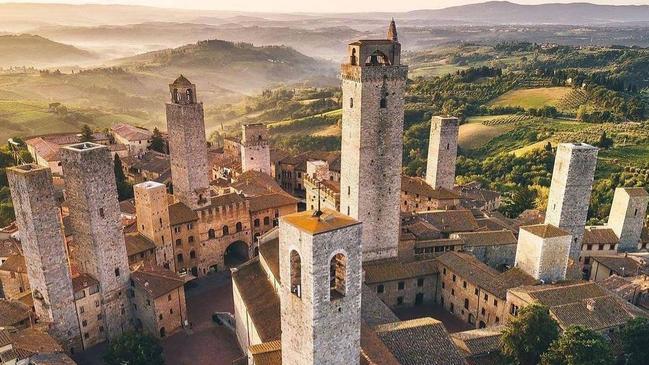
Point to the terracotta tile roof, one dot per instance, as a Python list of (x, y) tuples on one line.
[(15, 263), (252, 183), (416, 185), (451, 221), (227, 199), (562, 293), (621, 265), (491, 224), (545, 230), (131, 133), (270, 201), (373, 350), (420, 341), (9, 248), (5, 338), (595, 235), (267, 353), (488, 238), (83, 281), (156, 282), (260, 299), (597, 313), (127, 206), (34, 341), (182, 81), (150, 161), (58, 358), (636, 192), (301, 159), (479, 341), (277, 155), (270, 251), (137, 243), (421, 229), (47, 150), (439, 242), (330, 220), (179, 213), (391, 270)]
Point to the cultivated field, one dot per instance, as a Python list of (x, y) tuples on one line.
[(532, 98)]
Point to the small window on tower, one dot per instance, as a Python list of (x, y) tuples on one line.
[(384, 103), (101, 212), (337, 276), (296, 274), (117, 272), (351, 102)]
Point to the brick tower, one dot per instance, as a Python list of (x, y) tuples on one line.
[(43, 244), (442, 152), (99, 241), (255, 151), (187, 145), (628, 213), (151, 208), (569, 197), (373, 83), (320, 297)]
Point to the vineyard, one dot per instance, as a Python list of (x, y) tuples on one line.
[(507, 120), (573, 100)]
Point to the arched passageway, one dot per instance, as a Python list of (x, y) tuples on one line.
[(236, 254)]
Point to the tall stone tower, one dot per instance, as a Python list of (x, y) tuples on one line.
[(95, 216), (628, 214), (373, 83), (43, 244), (255, 151), (187, 145), (542, 252), (320, 296), (151, 208), (442, 152), (569, 197)]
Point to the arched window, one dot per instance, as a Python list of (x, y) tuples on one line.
[(179, 242), (191, 239), (179, 257), (296, 274), (352, 58), (338, 276), (189, 96), (211, 233), (266, 221), (192, 254), (256, 222), (226, 230), (174, 96), (384, 103), (239, 227)]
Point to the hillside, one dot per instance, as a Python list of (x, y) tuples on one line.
[(35, 51)]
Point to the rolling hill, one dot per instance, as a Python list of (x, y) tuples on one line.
[(36, 51)]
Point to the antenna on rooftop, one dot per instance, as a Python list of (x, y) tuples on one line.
[(15, 151)]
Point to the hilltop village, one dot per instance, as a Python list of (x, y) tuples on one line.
[(325, 250)]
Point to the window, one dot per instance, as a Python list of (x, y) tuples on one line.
[(171, 311), (169, 297), (211, 233), (101, 328), (84, 323), (464, 284), (177, 229), (86, 335), (117, 272), (226, 230), (351, 102), (495, 303), (296, 274), (266, 221), (148, 302), (82, 309), (420, 282), (160, 316), (483, 311), (338, 276), (497, 319), (399, 300), (513, 310), (101, 212), (80, 295), (466, 303), (256, 223), (239, 227), (192, 254), (99, 317), (401, 285), (453, 277), (190, 226), (190, 239), (600, 247), (96, 304), (179, 242), (384, 103), (443, 285), (476, 292), (179, 258), (444, 271), (453, 292), (380, 289), (486, 297)]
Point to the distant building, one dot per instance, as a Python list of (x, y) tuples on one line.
[(136, 139)]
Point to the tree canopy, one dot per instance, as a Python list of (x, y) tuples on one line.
[(578, 346), (529, 335), (134, 348), (635, 341)]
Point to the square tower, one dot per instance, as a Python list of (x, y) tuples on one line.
[(152, 211), (320, 296), (187, 145), (627, 217), (442, 152), (569, 197), (91, 194), (255, 150), (43, 245), (542, 252), (373, 85)]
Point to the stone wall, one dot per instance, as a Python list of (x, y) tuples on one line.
[(255, 150), (90, 317), (151, 206), (496, 256), (628, 214), (442, 152), (14, 284), (543, 258), (170, 312), (407, 292)]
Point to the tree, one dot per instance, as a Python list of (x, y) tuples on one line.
[(157, 142), (134, 348), (520, 200), (529, 335), (635, 341), (124, 188), (604, 141), (86, 134), (578, 346)]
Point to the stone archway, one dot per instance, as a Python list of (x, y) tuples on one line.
[(236, 254)]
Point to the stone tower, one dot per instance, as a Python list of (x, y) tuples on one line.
[(320, 295), (187, 145), (43, 244), (569, 197), (151, 208), (542, 252), (255, 150), (95, 216), (628, 214), (442, 152), (373, 83)]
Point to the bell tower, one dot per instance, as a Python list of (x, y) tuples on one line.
[(373, 83)]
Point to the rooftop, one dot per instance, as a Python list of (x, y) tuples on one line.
[(599, 235), (330, 220), (14, 263), (545, 231), (391, 270), (13, 312), (179, 213), (479, 341), (131, 133), (267, 353), (621, 265), (137, 243), (488, 238), (269, 201), (156, 281), (83, 281), (416, 185), (451, 221)]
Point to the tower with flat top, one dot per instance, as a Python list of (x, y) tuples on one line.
[(373, 85), (442, 152), (151, 208), (187, 145), (255, 150), (628, 214)]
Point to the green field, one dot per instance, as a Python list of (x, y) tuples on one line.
[(532, 98), (474, 134), (635, 154)]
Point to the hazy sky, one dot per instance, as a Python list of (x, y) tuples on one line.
[(310, 5)]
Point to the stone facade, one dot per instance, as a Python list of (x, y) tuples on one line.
[(187, 145), (152, 211), (87, 301), (255, 149), (320, 294), (95, 218), (43, 244), (186, 243), (543, 252), (373, 85), (569, 197), (628, 214), (14, 280), (442, 152)]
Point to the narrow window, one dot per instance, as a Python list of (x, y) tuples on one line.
[(384, 103), (101, 212), (351, 102), (226, 230), (380, 289), (401, 285), (296, 274), (211, 233), (117, 272), (239, 227), (338, 276)]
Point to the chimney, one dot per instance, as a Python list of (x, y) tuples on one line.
[(590, 304)]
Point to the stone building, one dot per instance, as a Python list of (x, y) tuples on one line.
[(185, 236), (255, 149), (418, 196), (597, 241), (319, 183), (603, 267), (100, 249), (158, 301), (569, 197), (403, 284), (543, 252), (290, 170), (373, 86), (149, 166), (494, 248), (13, 277), (187, 145), (43, 245), (151, 206), (140, 250), (265, 211), (628, 215), (442, 152), (136, 139), (88, 305)]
